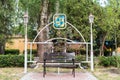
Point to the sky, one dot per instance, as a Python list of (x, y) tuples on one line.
[(102, 3)]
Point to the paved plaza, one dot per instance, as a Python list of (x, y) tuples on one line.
[(61, 76)]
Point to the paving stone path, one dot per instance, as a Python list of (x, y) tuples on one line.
[(61, 76)]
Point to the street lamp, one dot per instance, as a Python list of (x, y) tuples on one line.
[(91, 20), (25, 50)]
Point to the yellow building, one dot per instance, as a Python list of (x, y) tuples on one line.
[(17, 42)]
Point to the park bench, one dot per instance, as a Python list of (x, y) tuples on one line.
[(63, 60)]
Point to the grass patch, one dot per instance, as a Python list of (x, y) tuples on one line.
[(102, 73), (107, 73), (11, 73)]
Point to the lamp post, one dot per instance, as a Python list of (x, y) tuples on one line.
[(91, 20), (25, 51)]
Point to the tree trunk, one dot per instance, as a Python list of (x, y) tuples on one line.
[(103, 38), (43, 22), (2, 50), (57, 6)]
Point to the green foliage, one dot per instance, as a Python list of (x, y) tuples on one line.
[(71, 50), (104, 61), (34, 52), (78, 15), (77, 51), (109, 61), (11, 60), (33, 7), (12, 51), (106, 20), (82, 51), (80, 58), (6, 21)]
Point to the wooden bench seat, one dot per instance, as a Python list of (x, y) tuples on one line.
[(62, 58)]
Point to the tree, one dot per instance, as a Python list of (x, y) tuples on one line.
[(43, 22), (108, 24), (6, 15), (78, 16), (40, 13), (105, 18)]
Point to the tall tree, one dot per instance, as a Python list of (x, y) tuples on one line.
[(105, 17), (108, 23), (43, 21), (6, 15)]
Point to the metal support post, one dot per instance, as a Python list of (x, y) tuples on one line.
[(86, 52), (92, 65), (25, 55), (25, 51)]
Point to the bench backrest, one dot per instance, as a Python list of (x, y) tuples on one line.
[(61, 56)]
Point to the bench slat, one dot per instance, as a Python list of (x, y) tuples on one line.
[(62, 66)]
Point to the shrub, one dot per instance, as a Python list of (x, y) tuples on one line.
[(113, 61), (70, 50), (34, 52), (11, 60), (109, 61), (82, 51), (77, 51), (117, 60), (79, 58), (12, 51), (104, 61)]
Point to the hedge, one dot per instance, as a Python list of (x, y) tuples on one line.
[(34, 52), (109, 61), (79, 58), (77, 51), (12, 51), (11, 60)]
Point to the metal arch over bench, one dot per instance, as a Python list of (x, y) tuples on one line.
[(61, 58), (49, 41)]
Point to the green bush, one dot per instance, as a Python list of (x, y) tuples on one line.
[(77, 51), (113, 61), (11, 60), (70, 50), (34, 52), (12, 51), (117, 60), (82, 51), (109, 61), (104, 61), (80, 58)]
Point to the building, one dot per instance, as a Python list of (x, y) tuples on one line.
[(17, 42)]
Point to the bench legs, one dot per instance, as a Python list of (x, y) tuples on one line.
[(44, 72), (73, 71), (44, 66)]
